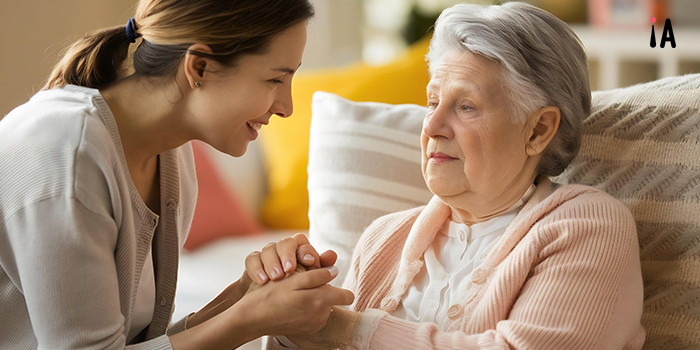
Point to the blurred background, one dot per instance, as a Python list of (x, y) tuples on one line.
[(615, 32), (359, 49)]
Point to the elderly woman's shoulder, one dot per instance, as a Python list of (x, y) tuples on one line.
[(587, 203)]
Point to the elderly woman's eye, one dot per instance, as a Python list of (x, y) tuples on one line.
[(432, 104), (465, 108)]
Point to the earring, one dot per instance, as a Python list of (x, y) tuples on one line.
[(197, 84)]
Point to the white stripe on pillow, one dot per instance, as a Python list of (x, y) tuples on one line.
[(364, 162)]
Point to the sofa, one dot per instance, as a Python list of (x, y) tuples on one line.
[(337, 164)]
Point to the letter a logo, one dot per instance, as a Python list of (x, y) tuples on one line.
[(668, 35)]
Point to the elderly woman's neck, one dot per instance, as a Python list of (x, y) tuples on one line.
[(470, 212)]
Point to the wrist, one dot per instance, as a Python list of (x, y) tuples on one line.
[(224, 331), (229, 297)]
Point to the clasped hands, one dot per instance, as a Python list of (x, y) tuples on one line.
[(306, 313)]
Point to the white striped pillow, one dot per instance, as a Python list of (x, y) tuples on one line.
[(364, 162)]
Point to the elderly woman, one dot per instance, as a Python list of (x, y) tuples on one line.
[(500, 258)]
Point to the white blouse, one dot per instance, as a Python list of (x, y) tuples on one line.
[(457, 250), (145, 299)]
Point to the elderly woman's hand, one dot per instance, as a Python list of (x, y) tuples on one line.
[(278, 259), (337, 333)]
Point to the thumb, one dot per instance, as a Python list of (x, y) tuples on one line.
[(314, 278), (328, 258)]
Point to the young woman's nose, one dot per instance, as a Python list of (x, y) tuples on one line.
[(283, 105)]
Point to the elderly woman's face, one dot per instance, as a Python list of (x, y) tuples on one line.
[(473, 151)]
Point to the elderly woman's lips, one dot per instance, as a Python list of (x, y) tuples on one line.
[(440, 157)]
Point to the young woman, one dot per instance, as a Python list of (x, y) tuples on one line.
[(97, 181)]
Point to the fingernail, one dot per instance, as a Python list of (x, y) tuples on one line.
[(288, 266), (263, 277), (308, 258), (333, 270), (276, 272)]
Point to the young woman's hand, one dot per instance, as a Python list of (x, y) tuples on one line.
[(286, 252), (298, 304), (278, 259)]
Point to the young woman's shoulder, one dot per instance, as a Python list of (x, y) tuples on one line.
[(57, 137)]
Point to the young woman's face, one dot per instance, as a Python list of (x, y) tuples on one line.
[(231, 106)]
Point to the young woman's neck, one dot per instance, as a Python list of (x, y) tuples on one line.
[(151, 118)]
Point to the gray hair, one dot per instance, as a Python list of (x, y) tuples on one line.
[(544, 65)]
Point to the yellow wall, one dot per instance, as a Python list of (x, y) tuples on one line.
[(33, 32)]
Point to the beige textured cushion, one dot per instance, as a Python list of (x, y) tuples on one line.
[(364, 162), (641, 144)]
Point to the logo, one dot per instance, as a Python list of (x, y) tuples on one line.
[(666, 36)]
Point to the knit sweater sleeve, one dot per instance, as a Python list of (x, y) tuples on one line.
[(568, 298), (63, 261)]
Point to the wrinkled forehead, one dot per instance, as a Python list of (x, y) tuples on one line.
[(466, 70)]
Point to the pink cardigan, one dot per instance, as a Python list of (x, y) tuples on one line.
[(565, 275)]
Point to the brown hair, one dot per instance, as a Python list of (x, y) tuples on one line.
[(231, 28)]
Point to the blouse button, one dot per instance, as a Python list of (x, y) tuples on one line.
[(454, 311), (462, 235), (171, 205)]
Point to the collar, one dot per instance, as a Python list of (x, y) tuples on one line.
[(496, 223), (433, 218)]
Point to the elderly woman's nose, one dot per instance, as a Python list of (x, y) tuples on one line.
[(435, 125)]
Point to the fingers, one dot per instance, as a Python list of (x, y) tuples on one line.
[(306, 254), (314, 278), (337, 296), (286, 252), (254, 268), (328, 258), (271, 262)]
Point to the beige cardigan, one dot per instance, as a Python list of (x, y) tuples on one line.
[(564, 275), (74, 232)]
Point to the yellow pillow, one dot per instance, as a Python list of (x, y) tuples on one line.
[(286, 141)]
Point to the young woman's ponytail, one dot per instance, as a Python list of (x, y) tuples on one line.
[(93, 61), (231, 28)]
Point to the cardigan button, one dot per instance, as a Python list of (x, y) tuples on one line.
[(172, 205), (162, 300), (454, 312), (477, 276)]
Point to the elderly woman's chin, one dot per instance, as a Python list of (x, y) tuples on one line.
[(445, 185)]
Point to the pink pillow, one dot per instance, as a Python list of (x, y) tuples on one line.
[(219, 213)]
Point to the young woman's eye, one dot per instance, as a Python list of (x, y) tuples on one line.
[(276, 81)]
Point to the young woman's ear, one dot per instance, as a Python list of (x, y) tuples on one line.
[(196, 67), (542, 126)]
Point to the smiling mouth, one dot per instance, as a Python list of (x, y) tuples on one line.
[(255, 125)]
